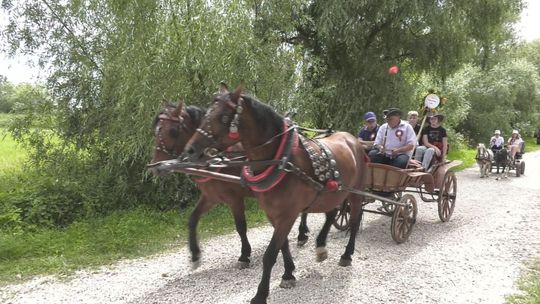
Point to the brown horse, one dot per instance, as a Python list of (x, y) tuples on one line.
[(173, 127), (290, 185)]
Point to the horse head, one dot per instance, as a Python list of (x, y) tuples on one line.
[(483, 153), (173, 127), (220, 126)]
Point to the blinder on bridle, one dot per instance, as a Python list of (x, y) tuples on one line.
[(177, 119), (212, 151)]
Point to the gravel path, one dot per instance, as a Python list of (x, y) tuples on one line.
[(474, 258)]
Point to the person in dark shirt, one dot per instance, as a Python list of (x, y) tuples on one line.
[(368, 133), (434, 142)]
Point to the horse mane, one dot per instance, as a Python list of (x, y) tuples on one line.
[(265, 114), (501, 156), (196, 114)]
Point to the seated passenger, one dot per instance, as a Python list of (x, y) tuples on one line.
[(434, 142), (412, 118), (496, 142), (514, 144), (394, 142), (368, 133)]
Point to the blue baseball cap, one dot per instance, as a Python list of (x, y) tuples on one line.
[(370, 116)]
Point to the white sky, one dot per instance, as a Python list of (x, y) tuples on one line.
[(17, 70)]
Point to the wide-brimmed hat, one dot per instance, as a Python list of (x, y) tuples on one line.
[(392, 112), (370, 116), (515, 132), (497, 132), (439, 116)]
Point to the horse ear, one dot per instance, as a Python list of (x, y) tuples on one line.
[(236, 94), (223, 88), (178, 110)]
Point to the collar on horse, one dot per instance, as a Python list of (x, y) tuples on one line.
[(273, 174)]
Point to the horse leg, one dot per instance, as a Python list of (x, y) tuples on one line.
[(281, 231), (287, 280), (203, 205), (356, 217), (302, 231), (322, 252), (238, 211)]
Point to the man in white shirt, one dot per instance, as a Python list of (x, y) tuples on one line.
[(394, 142), (496, 142)]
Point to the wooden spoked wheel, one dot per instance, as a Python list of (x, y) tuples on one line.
[(404, 218), (342, 218), (447, 196)]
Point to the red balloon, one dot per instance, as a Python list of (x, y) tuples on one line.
[(393, 70)]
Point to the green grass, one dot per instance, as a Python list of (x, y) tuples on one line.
[(100, 241), (11, 154), (465, 155), (530, 144), (529, 285)]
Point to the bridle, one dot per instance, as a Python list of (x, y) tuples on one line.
[(212, 151), (482, 153), (162, 147)]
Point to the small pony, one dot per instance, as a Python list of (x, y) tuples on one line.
[(484, 158), (502, 159)]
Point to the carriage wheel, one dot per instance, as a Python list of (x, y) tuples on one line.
[(447, 196), (517, 167), (388, 207), (522, 167), (404, 218), (342, 218)]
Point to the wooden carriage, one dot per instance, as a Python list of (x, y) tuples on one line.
[(393, 187)]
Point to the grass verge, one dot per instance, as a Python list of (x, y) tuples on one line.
[(529, 284), (101, 241)]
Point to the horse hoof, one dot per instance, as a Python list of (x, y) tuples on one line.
[(322, 254), (242, 265), (257, 301), (195, 264), (301, 243), (287, 283), (345, 262)]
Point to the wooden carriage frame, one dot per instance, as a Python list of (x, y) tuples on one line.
[(394, 188)]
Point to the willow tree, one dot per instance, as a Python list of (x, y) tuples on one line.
[(350, 45), (111, 64)]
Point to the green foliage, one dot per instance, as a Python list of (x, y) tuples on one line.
[(6, 95), (112, 64), (504, 97), (98, 241), (351, 44)]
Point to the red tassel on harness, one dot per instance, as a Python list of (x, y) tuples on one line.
[(331, 185), (233, 135)]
